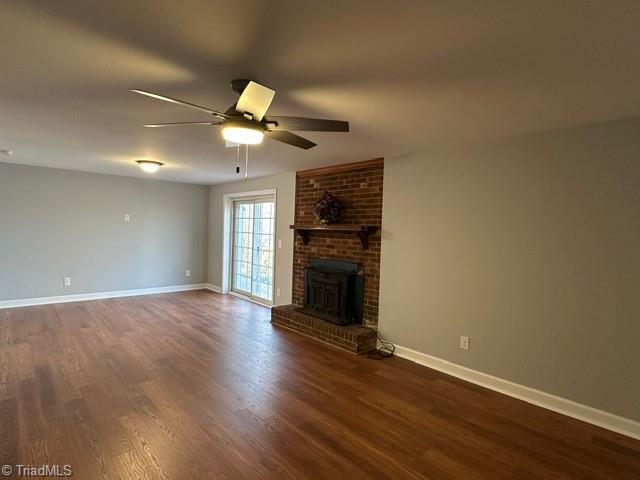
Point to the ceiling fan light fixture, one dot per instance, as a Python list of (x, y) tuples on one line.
[(149, 166), (242, 134), (244, 122)]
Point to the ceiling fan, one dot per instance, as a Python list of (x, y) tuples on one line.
[(245, 123)]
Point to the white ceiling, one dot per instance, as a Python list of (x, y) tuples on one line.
[(405, 74)]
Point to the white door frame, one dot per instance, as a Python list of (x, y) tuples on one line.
[(227, 254)]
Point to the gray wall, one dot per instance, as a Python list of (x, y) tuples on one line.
[(285, 185), (530, 247), (56, 223)]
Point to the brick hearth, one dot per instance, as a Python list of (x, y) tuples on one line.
[(352, 338)]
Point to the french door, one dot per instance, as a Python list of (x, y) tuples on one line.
[(253, 240)]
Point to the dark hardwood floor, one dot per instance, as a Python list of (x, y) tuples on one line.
[(199, 385)]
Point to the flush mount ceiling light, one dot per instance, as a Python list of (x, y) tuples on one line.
[(242, 133), (149, 166)]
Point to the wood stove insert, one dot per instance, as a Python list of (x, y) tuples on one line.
[(334, 291)]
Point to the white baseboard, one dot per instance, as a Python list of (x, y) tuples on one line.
[(561, 405), (213, 288), (80, 297)]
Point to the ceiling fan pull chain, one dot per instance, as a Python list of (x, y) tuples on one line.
[(246, 162), (238, 159)]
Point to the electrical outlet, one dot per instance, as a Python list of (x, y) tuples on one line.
[(127, 218), (277, 292), (187, 273), (67, 281), (464, 343), (279, 243)]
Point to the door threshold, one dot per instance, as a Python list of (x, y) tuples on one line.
[(249, 299)]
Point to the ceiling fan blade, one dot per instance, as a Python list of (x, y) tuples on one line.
[(179, 102), (290, 138), (173, 124), (255, 99), (303, 124)]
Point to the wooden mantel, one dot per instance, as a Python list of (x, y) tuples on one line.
[(361, 231)]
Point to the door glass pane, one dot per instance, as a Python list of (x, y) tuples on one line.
[(253, 238)]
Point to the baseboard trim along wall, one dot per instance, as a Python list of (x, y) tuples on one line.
[(213, 288), (80, 297), (561, 405)]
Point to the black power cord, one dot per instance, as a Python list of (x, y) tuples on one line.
[(386, 349)]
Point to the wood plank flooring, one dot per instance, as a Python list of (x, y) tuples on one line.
[(198, 385)]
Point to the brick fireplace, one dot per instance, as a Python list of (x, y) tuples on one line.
[(356, 239)]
